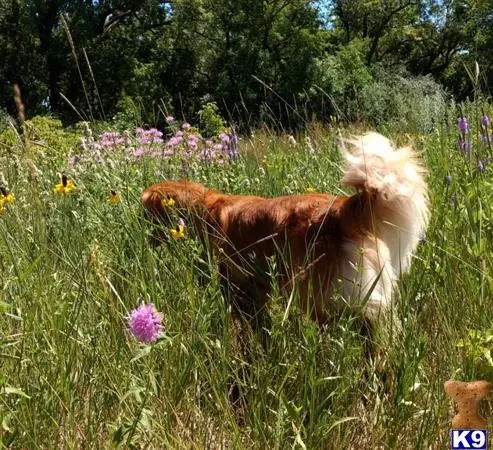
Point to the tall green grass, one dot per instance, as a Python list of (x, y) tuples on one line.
[(73, 267)]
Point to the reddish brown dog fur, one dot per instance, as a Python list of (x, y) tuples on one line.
[(356, 245)]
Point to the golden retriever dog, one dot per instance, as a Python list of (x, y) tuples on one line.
[(356, 246)]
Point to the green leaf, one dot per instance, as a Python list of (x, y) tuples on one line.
[(340, 422), (142, 353), (15, 391)]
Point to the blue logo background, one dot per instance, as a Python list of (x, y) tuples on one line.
[(469, 439)]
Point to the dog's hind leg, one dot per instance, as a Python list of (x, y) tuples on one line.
[(248, 300), (250, 323)]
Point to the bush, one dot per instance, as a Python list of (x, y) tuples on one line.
[(47, 134), (211, 122), (5, 121), (378, 95), (342, 78), (129, 114), (409, 103)]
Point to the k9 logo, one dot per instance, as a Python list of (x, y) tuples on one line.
[(469, 439)]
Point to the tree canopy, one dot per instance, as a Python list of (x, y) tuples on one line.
[(256, 59)]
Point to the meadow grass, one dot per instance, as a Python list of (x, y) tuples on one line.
[(72, 267)]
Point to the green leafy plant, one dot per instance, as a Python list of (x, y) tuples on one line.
[(478, 351), (211, 122)]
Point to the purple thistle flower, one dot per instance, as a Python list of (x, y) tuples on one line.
[(169, 119), (448, 180), (144, 139), (113, 143), (207, 154), (233, 136), (175, 140), (185, 126), (224, 138), (463, 126), (111, 139), (233, 143), (480, 166), (154, 132), (139, 152), (464, 146), (148, 137), (145, 323), (485, 120), (109, 135)]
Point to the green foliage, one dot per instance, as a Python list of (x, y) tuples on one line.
[(377, 96), (129, 114), (48, 135), (478, 352), (211, 122), (8, 138), (261, 62), (342, 79), (5, 121), (402, 101)]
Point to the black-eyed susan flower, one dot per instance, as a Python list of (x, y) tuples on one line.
[(168, 202), (179, 231), (6, 196), (9, 198), (65, 187), (114, 197)]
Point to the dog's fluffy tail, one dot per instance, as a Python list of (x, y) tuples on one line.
[(395, 182)]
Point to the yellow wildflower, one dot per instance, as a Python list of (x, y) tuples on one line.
[(114, 197), (65, 187), (9, 198), (168, 202), (178, 232), (310, 189), (5, 198)]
